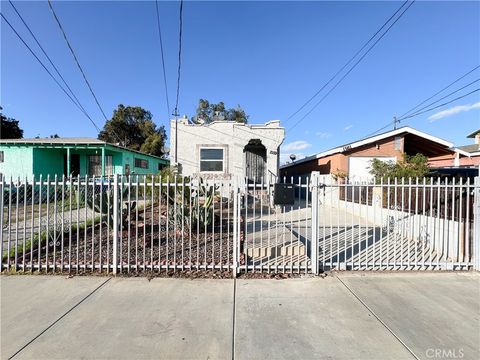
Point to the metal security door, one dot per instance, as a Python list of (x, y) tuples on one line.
[(255, 161)]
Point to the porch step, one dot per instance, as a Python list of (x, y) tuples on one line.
[(274, 251)]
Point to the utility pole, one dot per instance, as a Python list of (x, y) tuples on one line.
[(175, 113), (395, 121)]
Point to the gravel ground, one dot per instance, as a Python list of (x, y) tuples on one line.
[(146, 243), (143, 245)]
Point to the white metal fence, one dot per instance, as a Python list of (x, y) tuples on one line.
[(407, 224), (151, 224)]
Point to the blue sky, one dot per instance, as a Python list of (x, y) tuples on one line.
[(269, 57)]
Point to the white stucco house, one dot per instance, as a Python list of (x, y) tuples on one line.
[(226, 150)]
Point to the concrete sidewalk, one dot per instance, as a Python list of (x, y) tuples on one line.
[(346, 316)]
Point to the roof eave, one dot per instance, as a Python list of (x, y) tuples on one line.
[(362, 142), (462, 152)]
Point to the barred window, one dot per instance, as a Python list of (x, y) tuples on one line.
[(141, 163)]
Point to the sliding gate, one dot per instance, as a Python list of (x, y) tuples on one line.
[(407, 224)]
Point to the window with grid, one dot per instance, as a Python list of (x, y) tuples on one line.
[(95, 165), (211, 159), (141, 163)]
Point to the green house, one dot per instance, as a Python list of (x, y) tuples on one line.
[(25, 158)]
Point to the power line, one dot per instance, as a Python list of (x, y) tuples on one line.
[(436, 107), (442, 98), (353, 67), (347, 63), (48, 57), (120, 140), (429, 98), (395, 121), (382, 128), (179, 56), (163, 60), (75, 58), (438, 92), (48, 72)]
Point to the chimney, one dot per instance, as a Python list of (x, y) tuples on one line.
[(477, 139)]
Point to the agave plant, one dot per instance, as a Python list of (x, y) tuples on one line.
[(195, 207), (202, 212), (103, 203)]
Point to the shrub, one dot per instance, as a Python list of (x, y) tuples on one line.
[(411, 167)]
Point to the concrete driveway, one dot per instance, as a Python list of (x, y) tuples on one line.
[(342, 316)]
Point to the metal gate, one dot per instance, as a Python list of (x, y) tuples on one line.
[(136, 224), (407, 224), (275, 238)]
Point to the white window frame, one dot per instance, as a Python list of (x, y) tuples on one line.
[(206, 147)]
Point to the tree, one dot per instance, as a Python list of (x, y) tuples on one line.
[(238, 115), (411, 167), (9, 128), (133, 127), (208, 112), (154, 144)]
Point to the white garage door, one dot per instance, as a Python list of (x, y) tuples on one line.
[(359, 166)]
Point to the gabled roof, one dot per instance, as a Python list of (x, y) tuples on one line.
[(371, 139), (472, 135)]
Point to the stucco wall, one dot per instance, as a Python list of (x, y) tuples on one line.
[(18, 162), (233, 138)]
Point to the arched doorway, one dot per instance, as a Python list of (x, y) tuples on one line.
[(255, 161)]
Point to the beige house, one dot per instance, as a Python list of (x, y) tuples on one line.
[(226, 149)]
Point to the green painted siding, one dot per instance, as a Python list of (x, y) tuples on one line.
[(48, 162), (17, 162), (117, 161), (25, 160), (153, 163)]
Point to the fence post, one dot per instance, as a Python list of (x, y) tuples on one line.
[(476, 225), (115, 224), (236, 220), (314, 241)]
